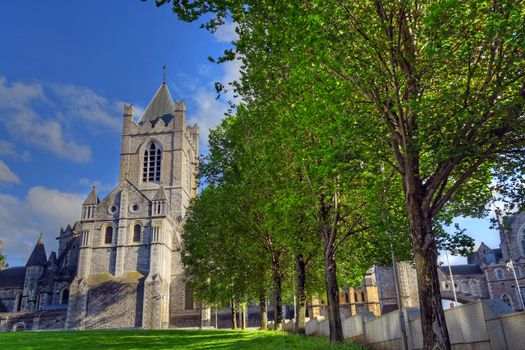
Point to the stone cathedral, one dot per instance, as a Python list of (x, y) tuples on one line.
[(119, 265)]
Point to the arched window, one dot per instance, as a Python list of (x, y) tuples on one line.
[(506, 299), (64, 299), (151, 165), (108, 236), (355, 297), (136, 232), (188, 298), (499, 274)]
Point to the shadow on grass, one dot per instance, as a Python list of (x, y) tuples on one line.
[(168, 339)]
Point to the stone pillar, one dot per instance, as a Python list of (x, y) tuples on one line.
[(77, 308), (122, 233)]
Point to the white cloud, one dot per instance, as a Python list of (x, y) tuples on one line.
[(47, 134), (226, 33), (7, 175), (100, 186), (70, 110), (18, 95), (8, 149), (81, 103), (42, 210), (209, 113), (454, 260), (232, 71), (210, 110)]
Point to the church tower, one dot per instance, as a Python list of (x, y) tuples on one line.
[(129, 272)]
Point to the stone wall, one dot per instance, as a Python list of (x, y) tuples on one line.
[(39, 320), (115, 304), (8, 298), (485, 324)]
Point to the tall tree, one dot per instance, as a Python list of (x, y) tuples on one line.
[(439, 87)]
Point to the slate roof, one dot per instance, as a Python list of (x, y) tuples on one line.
[(160, 105), (92, 199), (468, 269), (38, 256), (13, 277)]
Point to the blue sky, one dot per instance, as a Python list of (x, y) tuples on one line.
[(66, 68)]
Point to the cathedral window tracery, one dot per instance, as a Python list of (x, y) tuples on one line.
[(152, 163)]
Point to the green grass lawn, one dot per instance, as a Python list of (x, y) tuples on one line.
[(169, 339)]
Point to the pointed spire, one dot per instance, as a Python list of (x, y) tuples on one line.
[(160, 105), (52, 259), (160, 195), (38, 256), (92, 199)]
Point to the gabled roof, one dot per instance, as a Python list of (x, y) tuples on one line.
[(125, 184), (160, 105), (160, 195), (38, 256), (92, 199)]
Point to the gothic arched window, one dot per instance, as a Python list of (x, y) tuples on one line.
[(64, 299), (136, 232), (108, 236), (152, 162)]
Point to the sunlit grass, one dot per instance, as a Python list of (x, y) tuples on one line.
[(168, 339)]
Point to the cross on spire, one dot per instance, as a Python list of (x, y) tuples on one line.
[(164, 79)]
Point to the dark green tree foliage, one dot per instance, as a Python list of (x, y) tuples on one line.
[(435, 89)]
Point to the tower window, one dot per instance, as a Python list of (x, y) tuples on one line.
[(152, 162), (108, 237), (136, 232)]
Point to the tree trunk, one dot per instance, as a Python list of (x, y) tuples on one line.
[(264, 312), (332, 295), (300, 270), (277, 285), (433, 323), (244, 315), (234, 314)]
